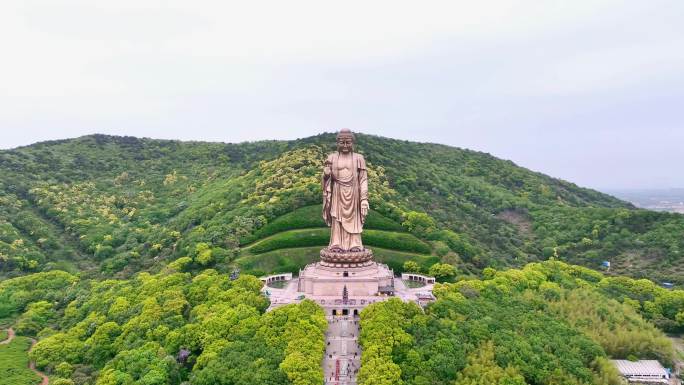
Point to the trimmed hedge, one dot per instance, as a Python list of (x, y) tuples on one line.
[(377, 221), (291, 260), (293, 238), (310, 217), (395, 241), (320, 237), (301, 218)]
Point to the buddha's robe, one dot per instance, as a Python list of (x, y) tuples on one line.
[(343, 191)]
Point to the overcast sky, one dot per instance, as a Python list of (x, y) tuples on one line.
[(589, 91)]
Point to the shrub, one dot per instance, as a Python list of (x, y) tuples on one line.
[(442, 271), (411, 267), (299, 238), (395, 241)]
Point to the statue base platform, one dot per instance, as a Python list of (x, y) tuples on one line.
[(332, 258), (364, 280)]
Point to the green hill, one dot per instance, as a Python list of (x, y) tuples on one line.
[(113, 206), (113, 254)]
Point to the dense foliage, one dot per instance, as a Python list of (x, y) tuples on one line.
[(548, 323), (165, 329)]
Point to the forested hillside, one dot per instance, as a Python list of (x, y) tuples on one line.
[(548, 323), (545, 324), (162, 329), (112, 206), (114, 254)]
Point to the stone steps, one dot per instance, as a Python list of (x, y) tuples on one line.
[(342, 353)]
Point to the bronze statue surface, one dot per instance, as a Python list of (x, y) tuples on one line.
[(345, 202)]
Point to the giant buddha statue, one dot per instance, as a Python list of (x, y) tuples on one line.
[(345, 203)]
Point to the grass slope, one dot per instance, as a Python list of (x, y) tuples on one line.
[(14, 363)]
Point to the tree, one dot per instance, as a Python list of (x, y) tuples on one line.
[(64, 369), (411, 267), (483, 370), (60, 347), (145, 365), (62, 381), (550, 290), (680, 318), (301, 370), (100, 346), (442, 271), (203, 254), (35, 318), (379, 371), (419, 223)]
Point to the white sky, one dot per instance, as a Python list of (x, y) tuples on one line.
[(589, 91)]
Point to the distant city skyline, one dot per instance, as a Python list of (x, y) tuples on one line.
[(586, 91), (671, 200)]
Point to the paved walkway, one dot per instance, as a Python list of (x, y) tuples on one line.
[(283, 296), (343, 353), (44, 380), (10, 337)]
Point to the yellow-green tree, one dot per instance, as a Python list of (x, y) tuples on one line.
[(482, 369)]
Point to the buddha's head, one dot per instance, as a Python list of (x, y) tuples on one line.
[(345, 141)]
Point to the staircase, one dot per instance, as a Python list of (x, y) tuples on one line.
[(342, 352)]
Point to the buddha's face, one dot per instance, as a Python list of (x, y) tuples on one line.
[(345, 144)]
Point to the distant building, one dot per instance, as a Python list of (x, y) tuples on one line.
[(269, 279), (425, 298), (643, 371), (426, 280), (668, 285)]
